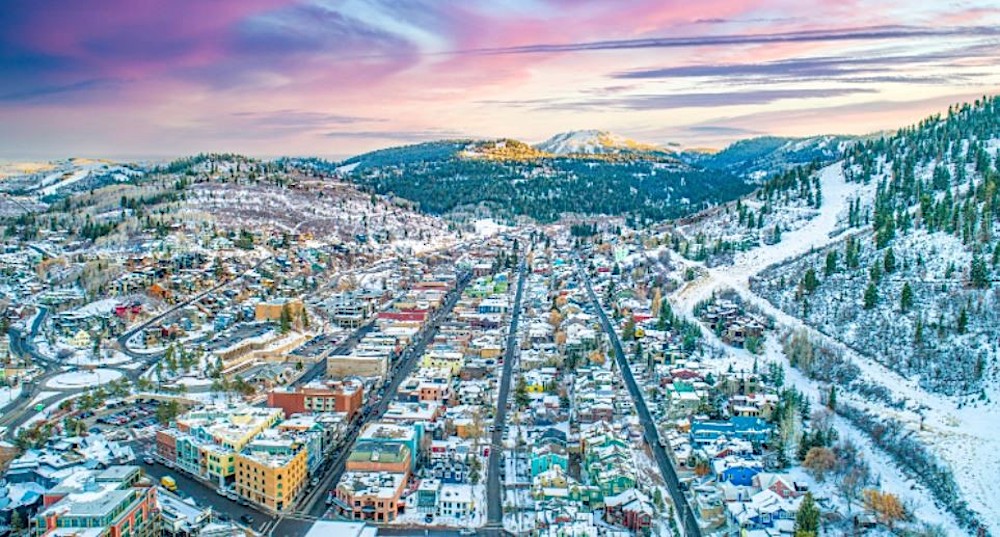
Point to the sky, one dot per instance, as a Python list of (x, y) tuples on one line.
[(332, 78)]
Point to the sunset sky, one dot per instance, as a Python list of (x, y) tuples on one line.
[(139, 78)]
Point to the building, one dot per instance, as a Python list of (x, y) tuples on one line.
[(206, 441), (374, 456), (271, 310), (108, 503), (375, 496), (456, 501), (342, 396), (271, 471), (388, 433), (357, 365), (179, 518)]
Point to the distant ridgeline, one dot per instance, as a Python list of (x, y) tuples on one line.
[(589, 172)]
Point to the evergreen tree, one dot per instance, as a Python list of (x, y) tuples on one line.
[(871, 296), (521, 393), (963, 321), (807, 519), (285, 320), (831, 401), (889, 262), (906, 298), (979, 274), (810, 282), (831, 262)]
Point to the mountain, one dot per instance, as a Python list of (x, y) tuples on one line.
[(50, 182), (594, 142), (510, 178), (758, 158)]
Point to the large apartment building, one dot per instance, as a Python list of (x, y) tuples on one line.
[(104, 503), (271, 471), (342, 396)]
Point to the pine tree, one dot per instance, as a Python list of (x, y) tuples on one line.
[(906, 298), (889, 261), (810, 282), (285, 321), (831, 262), (831, 401), (871, 296), (963, 321), (807, 519), (521, 393), (979, 274)]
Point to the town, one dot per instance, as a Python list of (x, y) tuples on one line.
[(528, 381)]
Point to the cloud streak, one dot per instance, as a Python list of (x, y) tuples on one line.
[(872, 33)]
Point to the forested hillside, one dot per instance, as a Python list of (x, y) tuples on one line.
[(510, 178), (914, 286)]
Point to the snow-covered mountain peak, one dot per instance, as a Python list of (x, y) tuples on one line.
[(592, 142)]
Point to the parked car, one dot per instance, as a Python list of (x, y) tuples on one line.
[(148, 459)]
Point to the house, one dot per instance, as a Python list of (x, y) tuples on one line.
[(765, 510), (455, 500), (745, 428), (81, 340), (780, 484), (546, 458), (739, 471), (631, 509)]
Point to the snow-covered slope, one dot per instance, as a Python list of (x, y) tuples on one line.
[(66, 176)]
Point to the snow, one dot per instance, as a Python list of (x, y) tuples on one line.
[(82, 379), (85, 358), (347, 168), (590, 142), (964, 437), (487, 227), (43, 396), (97, 307), (8, 394)]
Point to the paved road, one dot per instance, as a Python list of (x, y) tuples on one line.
[(318, 369), (688, 520), (494, 491), (313, 505), (152, 357), (205, 496)]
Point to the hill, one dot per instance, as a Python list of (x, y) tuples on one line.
[(510, 178), (758, 158)]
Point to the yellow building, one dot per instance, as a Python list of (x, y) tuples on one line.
[(450, 360), (271, 310), (81, 340), (207, 440), (271, 472)]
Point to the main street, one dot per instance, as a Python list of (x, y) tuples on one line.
[(688, 520), (313, 505), (494, 489)]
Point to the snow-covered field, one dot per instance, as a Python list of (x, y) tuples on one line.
[(82, 379)]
